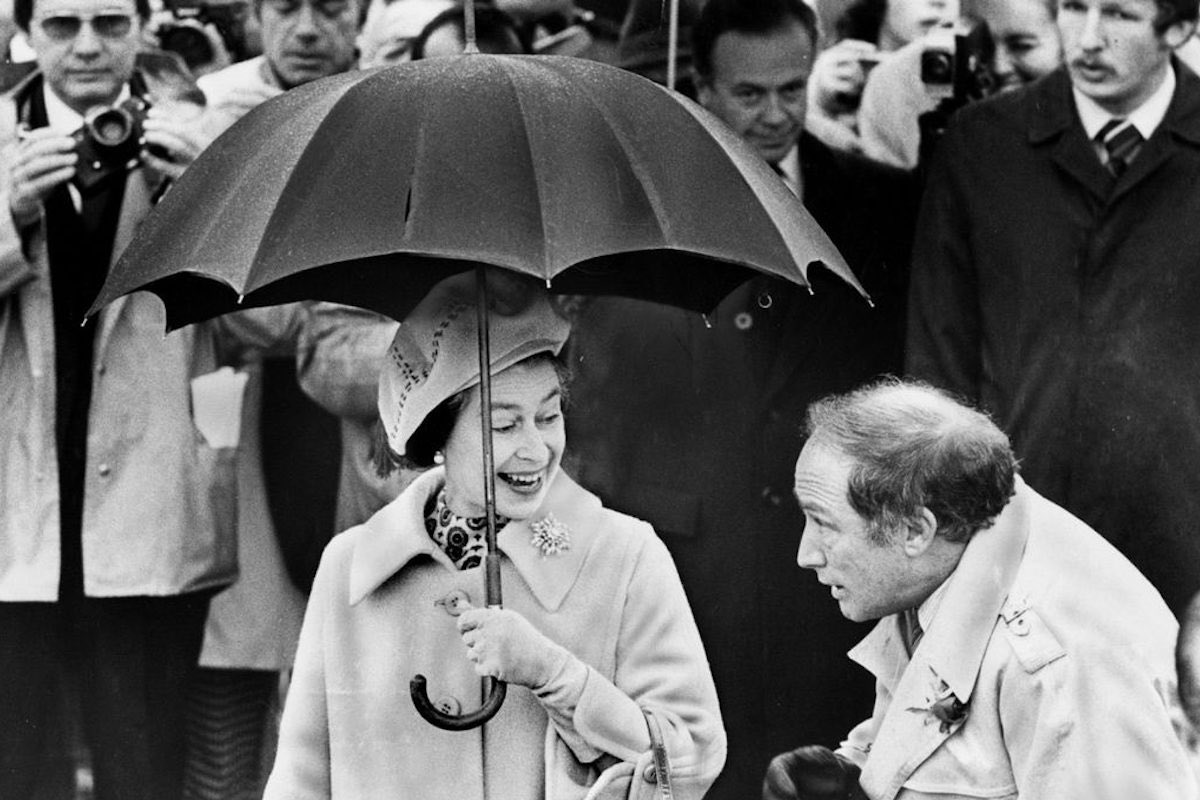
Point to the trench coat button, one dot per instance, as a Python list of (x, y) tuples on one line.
[(1019, 626), (771, 497), (455, 603), (743, 321), (649, 774), (104, 470), (99, 369), (448, 705)]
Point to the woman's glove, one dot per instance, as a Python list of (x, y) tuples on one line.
[(503, 644)]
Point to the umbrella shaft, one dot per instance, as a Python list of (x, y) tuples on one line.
[(492, 559)]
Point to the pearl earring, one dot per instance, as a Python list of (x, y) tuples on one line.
[(439, 458)]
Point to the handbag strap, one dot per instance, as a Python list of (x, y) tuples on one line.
[(662, 764)]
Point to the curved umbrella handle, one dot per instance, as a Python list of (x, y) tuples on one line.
[(451, 722)]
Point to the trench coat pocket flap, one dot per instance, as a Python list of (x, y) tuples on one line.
[(669, 510)]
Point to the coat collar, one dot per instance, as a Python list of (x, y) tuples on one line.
[(396, 535), (952, 650), (1051, 118)]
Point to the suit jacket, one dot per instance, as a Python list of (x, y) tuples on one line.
[(1061, 652), (695, 424), (1065, 302)]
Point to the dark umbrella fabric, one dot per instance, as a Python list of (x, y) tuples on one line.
[(367, 188)]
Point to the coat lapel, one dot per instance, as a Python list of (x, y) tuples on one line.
[(1179, 127), (135, 205), (950, 655), (396, 535), (1053, 121)]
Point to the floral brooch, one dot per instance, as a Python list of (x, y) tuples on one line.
[(948, 710), (550, 536)]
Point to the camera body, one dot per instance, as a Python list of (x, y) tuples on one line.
[(956, 69), (184, 32), (110, 141), (956, 64)]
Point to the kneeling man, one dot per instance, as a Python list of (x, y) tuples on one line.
[(1017, 653)]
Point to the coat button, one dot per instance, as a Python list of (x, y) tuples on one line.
[(104, 470), (649, 774), (448, 705), (1019, 626), (455, 603), (99, 369)]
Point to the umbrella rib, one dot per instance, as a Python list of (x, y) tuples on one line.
[(507, 65), (653, 197)]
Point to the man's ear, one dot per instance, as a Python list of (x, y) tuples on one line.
[(1178, 34), (920, 532)]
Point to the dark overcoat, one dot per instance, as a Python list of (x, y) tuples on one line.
[(695, 426), (1068, 303)]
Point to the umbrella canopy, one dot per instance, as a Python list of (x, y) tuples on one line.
[(367, 188)]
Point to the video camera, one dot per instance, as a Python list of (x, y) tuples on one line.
[(109, 142), (956, 69), (184, 33)]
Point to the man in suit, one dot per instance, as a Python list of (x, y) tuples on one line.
[(1017, 653), (111, 540), (693, 423), (1055, 280)]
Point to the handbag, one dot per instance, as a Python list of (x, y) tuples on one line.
[(658, 749)]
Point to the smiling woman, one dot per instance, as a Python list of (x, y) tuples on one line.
[(596, 632)]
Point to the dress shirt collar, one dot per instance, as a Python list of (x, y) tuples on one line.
[(1146, 117), (789, 166)]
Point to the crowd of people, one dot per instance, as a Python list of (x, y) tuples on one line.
[(1010, 180)]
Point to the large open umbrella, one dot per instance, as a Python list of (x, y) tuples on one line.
[(370, 187)]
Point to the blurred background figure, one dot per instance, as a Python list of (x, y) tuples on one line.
[(867, 32), (1019, 44), (390, 28), (642, 46), (207, 34), (289, 485), (495, 32)]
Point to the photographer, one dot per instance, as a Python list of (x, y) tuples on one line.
[(110, 544), (1021, 45)]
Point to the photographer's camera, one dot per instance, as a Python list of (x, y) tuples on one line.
[(110, 141)]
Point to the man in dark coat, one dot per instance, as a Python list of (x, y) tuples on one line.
[(1056, 279), (693, 423)]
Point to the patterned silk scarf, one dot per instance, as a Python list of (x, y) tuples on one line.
[(462, 539)]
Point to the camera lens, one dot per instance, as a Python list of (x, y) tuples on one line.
[(111, 127), (937, 67)]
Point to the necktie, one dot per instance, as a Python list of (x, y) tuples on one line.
[(910, 630), (1121, 140)]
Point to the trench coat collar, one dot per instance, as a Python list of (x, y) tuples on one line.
[(396, 535), (951, 651)]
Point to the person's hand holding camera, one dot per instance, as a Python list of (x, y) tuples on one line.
[(811, 772), (43, 161), (174, 137), (839, 74)]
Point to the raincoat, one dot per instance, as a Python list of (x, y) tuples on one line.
[(614, 600)]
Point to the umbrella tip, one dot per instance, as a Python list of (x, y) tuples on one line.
[(810, 290), (547, 283), (707, 322), (241, 297), (84, 322)]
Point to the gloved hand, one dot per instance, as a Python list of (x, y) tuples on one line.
[(503, 644), (811, 772)]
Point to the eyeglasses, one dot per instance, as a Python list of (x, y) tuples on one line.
[(64, 27)]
